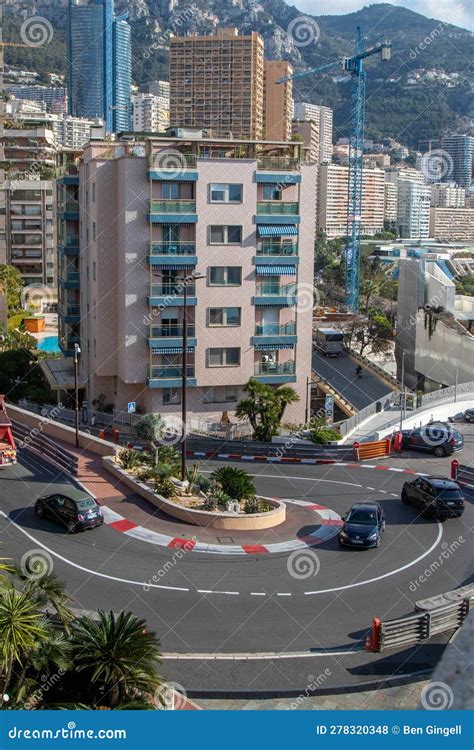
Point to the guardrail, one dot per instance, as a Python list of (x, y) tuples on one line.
[(462, 473), (418, 627), (289, 449), (33, 439), (351, 424)]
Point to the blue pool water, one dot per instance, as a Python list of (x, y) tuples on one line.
[(49, 344)]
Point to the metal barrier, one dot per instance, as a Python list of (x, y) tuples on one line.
[(290, 449), (406, 631), (349, 425), (462, 473), (33, 439)]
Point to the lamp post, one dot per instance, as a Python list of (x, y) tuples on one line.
[(77, 351), (308, 401)]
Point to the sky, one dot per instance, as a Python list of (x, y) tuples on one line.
[(457, 12)]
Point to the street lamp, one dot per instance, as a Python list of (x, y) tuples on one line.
[(77, 351), (308, 400)]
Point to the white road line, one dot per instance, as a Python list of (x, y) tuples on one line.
[(385, 575), (372, 489), (265, 656), (211, 591), (257, 593), (298, 479), (283, 594)]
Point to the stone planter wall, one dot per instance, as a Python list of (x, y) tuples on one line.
[(227, 521)]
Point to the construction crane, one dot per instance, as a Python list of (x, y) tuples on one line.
[(353, 65)]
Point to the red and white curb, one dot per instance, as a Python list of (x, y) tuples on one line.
[(328, 527)]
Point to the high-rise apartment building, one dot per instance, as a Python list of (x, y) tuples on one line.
[(158, 88), (460, 150), (391, 200), (99, 63), (323, 117), (448, 196), (413, 209), (452, 224), (333, 199), (278, 101), (151, 113), (54, 97), (217, 83), (68, 261), (232, 225), (308, 132)]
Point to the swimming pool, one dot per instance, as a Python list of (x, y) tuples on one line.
[(49, 344)]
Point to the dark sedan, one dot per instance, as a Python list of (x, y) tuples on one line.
[(469, 415), (363, 526), (435, 496), (438, 438), (76, 514)]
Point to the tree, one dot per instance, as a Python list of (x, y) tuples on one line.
[(11, 284), (118, 656), (264, 407), (374, 332), (22, 627), (151, 429)]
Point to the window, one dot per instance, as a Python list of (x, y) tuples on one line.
[(224, 316), (225, 276), (93, 192), (93, 231), (225, 357), (272, 192), (170, 191), (220, 394), (171, 395), (94, 267), (223, 234), (225, 192)]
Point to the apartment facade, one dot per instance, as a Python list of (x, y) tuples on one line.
[(230, 234), (53, 97), (308, 132), (323, 117), (67, 187), (413, 209), (217, 83), (151, 113), (448, 196), (390, 201), (333, 199), (278, 101), (452, 224), (460, 149)]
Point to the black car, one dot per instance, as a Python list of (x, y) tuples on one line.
[(363, 526), (435, 496), (76, 514), (438, 438), (469, 415)]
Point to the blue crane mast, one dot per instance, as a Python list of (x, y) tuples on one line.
[(353, 65)]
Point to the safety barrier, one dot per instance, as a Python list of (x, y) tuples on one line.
[(33, 439), (462, 473), (289, 449), (375, 449), (405, 631)]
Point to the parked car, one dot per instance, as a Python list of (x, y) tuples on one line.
[(363, 525), (76, 514), (469, 415), (439, 438), (435, 496)]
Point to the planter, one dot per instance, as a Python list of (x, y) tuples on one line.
[(35, 324), (220, 520)]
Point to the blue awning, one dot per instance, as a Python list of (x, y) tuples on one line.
[(171, 350), (277, 230), (276, 270), (272, 347), (171, 266)]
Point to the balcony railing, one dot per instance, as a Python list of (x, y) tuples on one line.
[(170, 371), (173, 207), (70, 275), (272, 368), (278, 207), (160, 161), (157, 332), (69, 241), (71, 309), (172, 290), (276, 163), (275, 290), (68, 206), (173, 248), (273, 329), (290, 248)]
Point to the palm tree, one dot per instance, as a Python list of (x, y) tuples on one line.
[(22, 627), (118, 654), (285, 395), (47, 591), (149, 429), (264, 407)]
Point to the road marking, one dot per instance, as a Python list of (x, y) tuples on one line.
[(257, 593), (385, 575), (211, 591)]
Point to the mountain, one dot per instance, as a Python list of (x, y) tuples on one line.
[(409, 113)]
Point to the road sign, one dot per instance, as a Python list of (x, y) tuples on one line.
[(329, 408), (132, 407)]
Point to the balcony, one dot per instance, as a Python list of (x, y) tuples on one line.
[(278, 254), (162, 337), (284, 295), (68, 210), (271, 372), (173, 212), (277, 163), (275, 335), (172, 165), (164, 254), (172, 295), (278, 207), (69, 245), (70, 313), (69, 279), (170, 376)]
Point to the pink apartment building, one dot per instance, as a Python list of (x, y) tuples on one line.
[(156, 214)]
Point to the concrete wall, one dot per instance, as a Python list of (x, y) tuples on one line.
[(438, 356)]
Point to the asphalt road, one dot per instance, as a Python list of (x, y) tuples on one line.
[(214, 604), (341, 374)]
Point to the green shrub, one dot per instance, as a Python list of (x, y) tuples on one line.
[(324, 435), (235, 482), (129, 458), (165, 487), (252, 505)]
